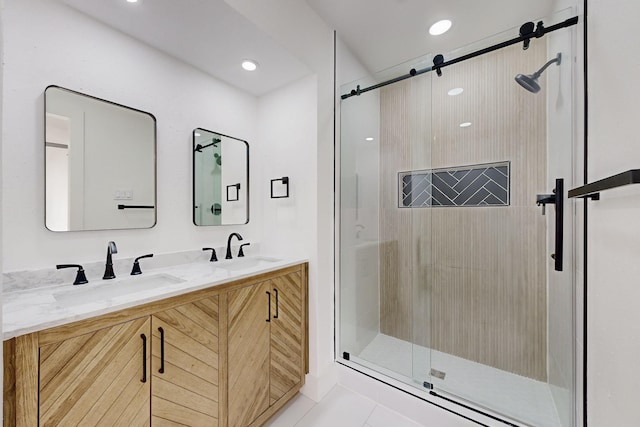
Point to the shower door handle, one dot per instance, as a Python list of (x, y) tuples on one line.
[(557, 199), (559, 192)]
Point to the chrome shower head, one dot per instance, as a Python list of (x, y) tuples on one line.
[(530, 81)]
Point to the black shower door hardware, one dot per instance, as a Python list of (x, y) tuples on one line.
[(557, 199), (592, 190), (135, 207), (161, 370), (269, 312), (144, 358), (537, 33)]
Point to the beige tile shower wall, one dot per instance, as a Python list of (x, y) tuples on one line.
[(477, 276), (405, 135)]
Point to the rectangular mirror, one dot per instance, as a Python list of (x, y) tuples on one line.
[(100, 164), (220, 179)]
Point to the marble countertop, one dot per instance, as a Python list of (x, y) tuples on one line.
[(27, 309)]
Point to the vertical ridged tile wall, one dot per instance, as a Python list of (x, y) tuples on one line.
[(468, 281)]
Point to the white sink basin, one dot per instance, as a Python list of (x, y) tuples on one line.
[(107, 290), (247, 263)]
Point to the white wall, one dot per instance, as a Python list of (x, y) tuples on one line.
[(290, 145), (1, 151), (47, 43), (294, 25), (613, 228)]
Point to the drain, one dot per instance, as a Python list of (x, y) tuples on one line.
[(437, 374)]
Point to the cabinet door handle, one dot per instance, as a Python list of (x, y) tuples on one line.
[(144, 358), (161, 370), (276, 291), (269, 312)]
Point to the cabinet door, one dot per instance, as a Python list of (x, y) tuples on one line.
[(248, 353), (97, 379), (185, 365), (287, 325)]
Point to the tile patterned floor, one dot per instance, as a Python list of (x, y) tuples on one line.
[(339, 408)]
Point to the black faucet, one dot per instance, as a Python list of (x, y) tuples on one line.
[(81, 278), (228, 256), (214, 257), (108, 268), (241, 252), (135, 270)]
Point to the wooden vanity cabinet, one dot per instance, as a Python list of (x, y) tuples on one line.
[(102, 378), (185, 381), (269, 318), (97, 379), (231, 356)]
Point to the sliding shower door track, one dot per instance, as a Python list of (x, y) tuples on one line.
[(472, 406), (432, 397)]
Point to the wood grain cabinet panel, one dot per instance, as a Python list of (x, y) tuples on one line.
[(185, 374), (248, 340), (266, 338), (97, 379), (287, 322)]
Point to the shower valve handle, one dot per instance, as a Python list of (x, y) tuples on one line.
[(543, 199)]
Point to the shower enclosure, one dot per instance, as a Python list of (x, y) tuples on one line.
[(448, 275)]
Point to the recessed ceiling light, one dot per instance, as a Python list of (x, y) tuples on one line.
[(368, 138), (465, 124), (455, 91), (249, 64), (440, 27), (132, 1)]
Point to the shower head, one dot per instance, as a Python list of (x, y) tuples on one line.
[(530, 81)]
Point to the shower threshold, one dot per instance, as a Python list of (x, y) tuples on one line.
[(517, 397)]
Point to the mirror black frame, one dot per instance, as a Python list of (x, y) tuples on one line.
[(235, 187), (155, 162)]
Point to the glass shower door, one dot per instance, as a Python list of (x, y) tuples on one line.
[(383, 248), (500, 313), (447, 281)]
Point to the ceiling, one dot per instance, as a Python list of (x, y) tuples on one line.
[(384, 33), (215, 38), (207, 34)]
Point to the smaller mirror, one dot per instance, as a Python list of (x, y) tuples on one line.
[(220, 179)]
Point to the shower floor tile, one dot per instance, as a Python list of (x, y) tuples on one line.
[(524, 399)]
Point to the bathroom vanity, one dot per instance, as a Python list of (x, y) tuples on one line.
[(220, 344)]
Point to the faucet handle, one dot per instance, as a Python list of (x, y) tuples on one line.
[(214, 257), (241, 251), (136, 265), (81, 278)]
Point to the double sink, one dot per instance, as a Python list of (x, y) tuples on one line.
[(131, 285)]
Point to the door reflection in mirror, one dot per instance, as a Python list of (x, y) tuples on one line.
[(98, 155)]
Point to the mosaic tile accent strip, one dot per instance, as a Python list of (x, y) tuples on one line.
[(477, 185)]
